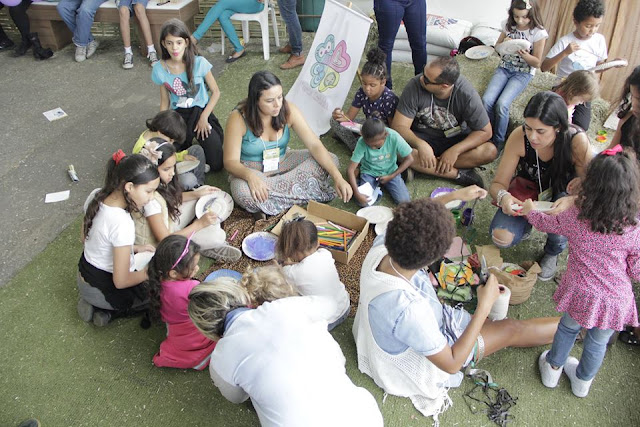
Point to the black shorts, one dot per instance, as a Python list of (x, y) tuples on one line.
[(441, 144)]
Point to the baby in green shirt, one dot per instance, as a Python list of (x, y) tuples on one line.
[(377, 152)]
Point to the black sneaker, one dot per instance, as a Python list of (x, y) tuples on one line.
[(468, 177), (6, 44)]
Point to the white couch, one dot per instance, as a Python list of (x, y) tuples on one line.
[(449, 21)]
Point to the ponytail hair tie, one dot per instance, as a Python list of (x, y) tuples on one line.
[(118, 155), (612, 151), (527, 4)]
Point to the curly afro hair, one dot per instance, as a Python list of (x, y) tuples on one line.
[(420, 233), (586, 8)]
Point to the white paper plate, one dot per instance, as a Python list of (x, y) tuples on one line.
[(260, 246), (610, 64), (219, 203), (187, 165), (453, 204), (376, 214), (511, 47), (381, 228), (542, 206), (142, 259), (479, 52), (352, 126)]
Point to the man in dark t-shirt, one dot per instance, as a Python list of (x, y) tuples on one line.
[(441, 115)]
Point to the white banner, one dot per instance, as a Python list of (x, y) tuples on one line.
[(326, 77)]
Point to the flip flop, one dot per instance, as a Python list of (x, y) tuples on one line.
[(629, 337), (231, 59)]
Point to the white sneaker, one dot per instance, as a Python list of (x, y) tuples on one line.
[(550, 376), (81, 53), (580, 388), (153, 58), (128, 61), (91, 47), (207, 168)]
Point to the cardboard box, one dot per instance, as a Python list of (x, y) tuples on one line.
[(319, 212)]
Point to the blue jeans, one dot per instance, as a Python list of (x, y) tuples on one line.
[(594, 347), (222, 12), (78, 15), (519, 226), (290, 18), (504, 87), (396, 187), (389, 14)]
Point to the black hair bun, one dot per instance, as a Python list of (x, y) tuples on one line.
[(376, 56)]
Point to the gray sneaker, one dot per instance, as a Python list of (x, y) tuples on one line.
[(467, 177), (81, 53), (548, 265), (128, 61), (85, 310), (101, 317), (91, 47), (153, 58), (223, 253)]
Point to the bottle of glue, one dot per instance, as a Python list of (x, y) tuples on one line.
[(72, 174)]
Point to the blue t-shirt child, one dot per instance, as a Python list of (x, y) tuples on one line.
[(385, 105), (382, 161), (180, 95)]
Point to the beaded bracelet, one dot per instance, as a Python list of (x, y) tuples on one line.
[(500, 196)]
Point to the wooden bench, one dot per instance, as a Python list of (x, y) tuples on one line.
[(53, 32)]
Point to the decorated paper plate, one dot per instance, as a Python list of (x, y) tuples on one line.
[(479, 52), (352, 126), (512, 47), (453, 204), (223, 272), (142, 259), (381, 228), (542, 206), (260, 246), (219, 203), (187, 165), (610, 64), (376, 214)]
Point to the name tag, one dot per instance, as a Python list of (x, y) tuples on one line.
[(270, 159), (454, 131)]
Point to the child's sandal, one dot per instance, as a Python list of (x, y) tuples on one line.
[(628, 336)]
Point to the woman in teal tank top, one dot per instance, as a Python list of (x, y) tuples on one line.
[(265, 176)]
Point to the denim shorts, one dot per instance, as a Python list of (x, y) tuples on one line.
[(129, 4)]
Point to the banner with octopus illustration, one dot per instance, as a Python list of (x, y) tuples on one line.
[(331, 65)]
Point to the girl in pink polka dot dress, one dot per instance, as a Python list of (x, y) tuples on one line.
[(604, 256)]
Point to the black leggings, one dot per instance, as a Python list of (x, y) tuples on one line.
[(212, 145), (19, 16)]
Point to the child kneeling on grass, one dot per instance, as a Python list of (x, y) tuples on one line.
[(310, 268), (596, 291), (109, 286), (377, 153), (170, 280)]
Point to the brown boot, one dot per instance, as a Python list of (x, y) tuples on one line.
[(285, 49), (293, 62)]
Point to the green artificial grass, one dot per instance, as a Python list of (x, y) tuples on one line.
[(65, 372)]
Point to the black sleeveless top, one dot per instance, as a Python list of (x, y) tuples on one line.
[(626, 133), (528, 165)]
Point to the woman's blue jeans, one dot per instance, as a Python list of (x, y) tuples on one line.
[(389, 15), (78, 15), (594, 347), (222, 11), (504, 87), (519, 226)]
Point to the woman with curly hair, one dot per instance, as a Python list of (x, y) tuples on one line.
[(170, 280), (407, 341), (596, 292)]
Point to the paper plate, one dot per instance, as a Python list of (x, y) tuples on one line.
[(142, 259), (381, 228), (453, 204), (610, 64), (479, 52), (219, 203), (223, 272), (511, 47), (187, 165), (542, 206), (376, 214), (260, 246), (352, 126)]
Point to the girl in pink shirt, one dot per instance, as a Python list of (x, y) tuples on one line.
[(604, 257), (170, 271)]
